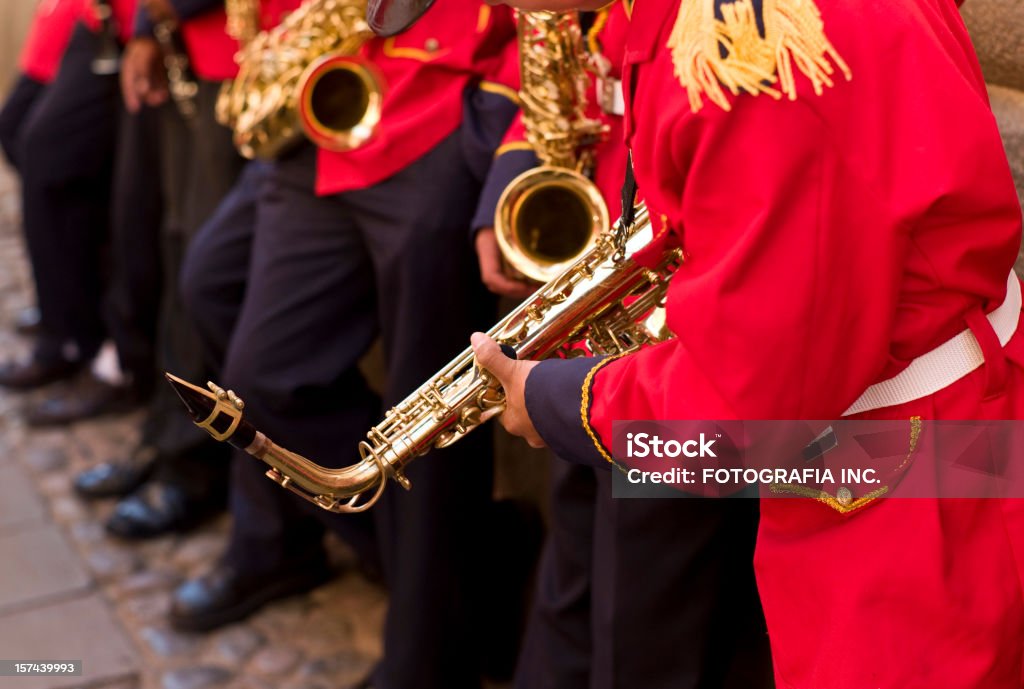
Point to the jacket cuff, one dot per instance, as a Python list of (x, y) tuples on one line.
[(509, 164), (556, 391), (143, 27)]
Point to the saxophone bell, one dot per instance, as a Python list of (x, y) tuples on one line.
[(302, 79), (340, 102), (547, 218)]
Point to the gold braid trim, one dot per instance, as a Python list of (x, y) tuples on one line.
[(794, 35), (849, 505), (826, 499), (588, 382)]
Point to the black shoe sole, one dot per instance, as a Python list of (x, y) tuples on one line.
[(301, 582)]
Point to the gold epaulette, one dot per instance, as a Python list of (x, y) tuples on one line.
[(711, 53)]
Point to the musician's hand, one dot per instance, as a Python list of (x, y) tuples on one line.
[(512, 375), (492, 270), (143, 78)]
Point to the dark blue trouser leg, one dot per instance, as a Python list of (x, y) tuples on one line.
[(305, 320), (14, 113), (433, 538), (675, 604), (556, 651), (216, 266), (67, 150)]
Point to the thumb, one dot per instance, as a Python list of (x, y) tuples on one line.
[(489, 356)]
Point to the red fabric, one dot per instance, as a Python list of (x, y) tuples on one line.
[(272, 12), (211, 51), (47, 38), (423, 90), (124, 15), (832, 240)]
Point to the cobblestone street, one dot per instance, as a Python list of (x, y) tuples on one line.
[(70, 592)]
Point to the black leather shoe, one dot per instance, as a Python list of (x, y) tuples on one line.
[(36, 372), (88, 398), (225, 595), (116, 478), (159, 508)]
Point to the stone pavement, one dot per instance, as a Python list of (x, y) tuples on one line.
[(69, 592)]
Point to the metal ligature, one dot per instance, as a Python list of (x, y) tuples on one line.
[(604, 302), (107, 60), (302, 78), (551, 215), (181, 81)]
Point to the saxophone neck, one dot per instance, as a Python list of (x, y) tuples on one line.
[(220, 413)]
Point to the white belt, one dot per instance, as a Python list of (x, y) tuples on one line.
[(610, 96), (946, 364)]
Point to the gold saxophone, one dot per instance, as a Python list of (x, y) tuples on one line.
[(549, 216), (301, 78), (604, 301), (181, 80)]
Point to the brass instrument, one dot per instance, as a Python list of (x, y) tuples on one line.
[(303, 78), (551, 215), (107, 60), (181, 81), (604, 301), (243, 20)]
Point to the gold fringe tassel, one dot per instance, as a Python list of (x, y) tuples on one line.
[(794, 37)]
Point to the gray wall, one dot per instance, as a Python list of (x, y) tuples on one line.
[(14, 20), (997, 29)]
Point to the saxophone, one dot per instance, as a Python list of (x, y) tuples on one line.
[(549, 216), (604, 302), (181, 80), (301, 78)]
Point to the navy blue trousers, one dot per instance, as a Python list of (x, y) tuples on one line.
[(293, 289), (66, 155), (16, 108), (199, 166), (649, 593)]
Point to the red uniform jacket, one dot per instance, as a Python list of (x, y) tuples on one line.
[(47, 38), (211, 50), (425, 72), (831, 240)]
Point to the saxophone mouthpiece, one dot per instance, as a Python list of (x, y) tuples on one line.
[(215, 410), (199, 403)]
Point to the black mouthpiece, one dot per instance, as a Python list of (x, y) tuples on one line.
[(226, 424)]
